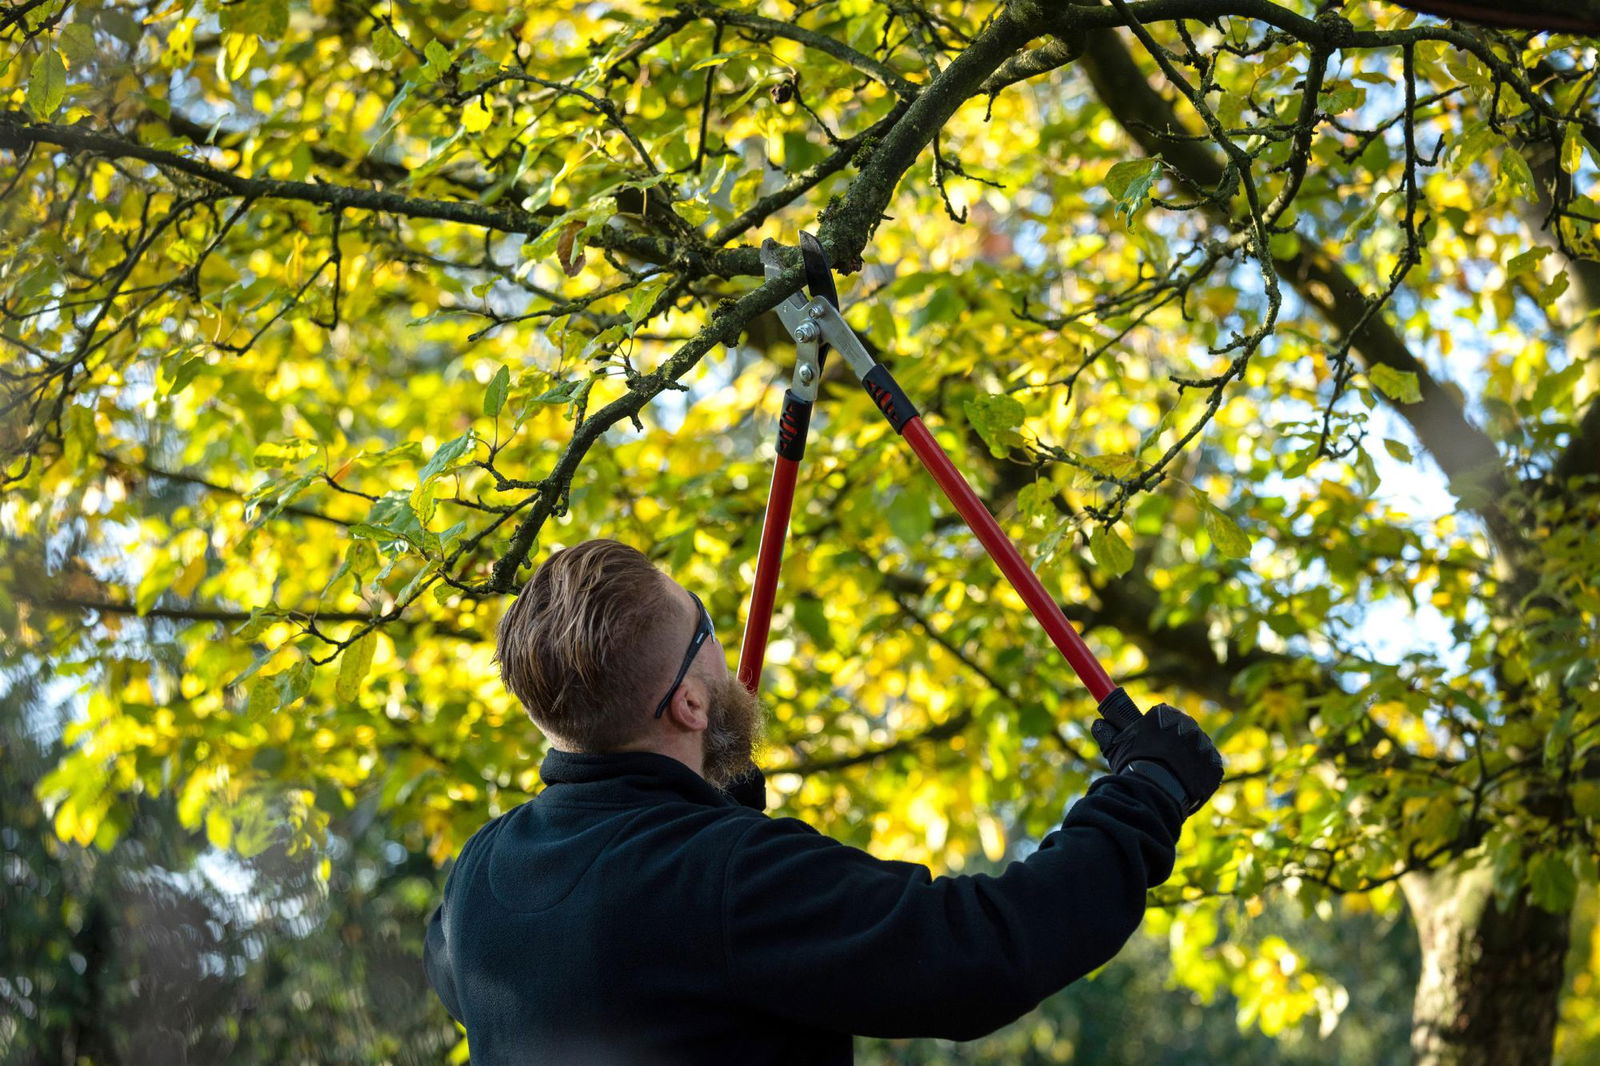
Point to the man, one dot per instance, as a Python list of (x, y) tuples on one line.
[(636, 912)]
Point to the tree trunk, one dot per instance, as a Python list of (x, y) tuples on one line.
[(1491, 978)]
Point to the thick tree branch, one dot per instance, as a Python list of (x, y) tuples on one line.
[(849, 223), (1582, 456), (1570, 16)]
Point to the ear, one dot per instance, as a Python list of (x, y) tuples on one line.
[(690, 709)]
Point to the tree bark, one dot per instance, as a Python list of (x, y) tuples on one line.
[(1491, 978), (1571, 16)]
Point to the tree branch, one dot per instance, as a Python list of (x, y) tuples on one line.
[(724, 328), (65, 604), (1462, 450), (874, 69)]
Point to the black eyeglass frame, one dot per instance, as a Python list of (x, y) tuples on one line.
[(702, 633)]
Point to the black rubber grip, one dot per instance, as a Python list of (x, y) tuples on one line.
[(792, 426), (1119, 709), (890, 398)]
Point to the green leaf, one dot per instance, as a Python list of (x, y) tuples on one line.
[(438, 57), (185, 374), (387, 44), (1526, 261), (354, 665), (77, 41), (446, 457), (1398, 385), (1557, 387), (424, 499), (263, 698), (1572, 148), (1362, 223), (392, 521), (1129, 183), (294, 683), (910, 517), (812, 618), (362, 559), (387, 119), (1111, 553), (562, 392), (267, 18), (996, 418), (273, 454), (1111, 466), (47, 85), (1552, 882), (693, 212), (259, 621), (1342, 99), (1226, 534), (119, 24), (1397, 449), (713, 60), (155, 582), (642, 299), (1515, 170), (495, 398)]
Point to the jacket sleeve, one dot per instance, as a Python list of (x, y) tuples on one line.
[(750, 790), (826, 935), (436, 963)]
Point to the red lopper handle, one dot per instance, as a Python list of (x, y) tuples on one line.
[(1011, 563), (774, 527)]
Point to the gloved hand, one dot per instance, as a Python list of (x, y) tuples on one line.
[(1168, 747)]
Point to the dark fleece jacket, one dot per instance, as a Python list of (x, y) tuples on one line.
[(632, 914)]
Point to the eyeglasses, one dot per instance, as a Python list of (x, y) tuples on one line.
[(702, 633)]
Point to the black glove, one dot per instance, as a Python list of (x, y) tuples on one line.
[(1168, 747)]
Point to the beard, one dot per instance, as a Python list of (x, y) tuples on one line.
[(734, 733)]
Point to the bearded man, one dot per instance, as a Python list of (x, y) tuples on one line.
[(643, 910)]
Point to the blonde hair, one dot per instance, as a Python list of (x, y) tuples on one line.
[(584, 644)]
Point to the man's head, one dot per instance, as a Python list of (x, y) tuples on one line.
[(592, 646)]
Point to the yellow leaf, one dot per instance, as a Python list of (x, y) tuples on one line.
[(475, 118), (66, 821), (219, 830), (190, 577), (992, 836)]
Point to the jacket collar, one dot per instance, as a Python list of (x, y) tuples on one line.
[(629, 777)]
